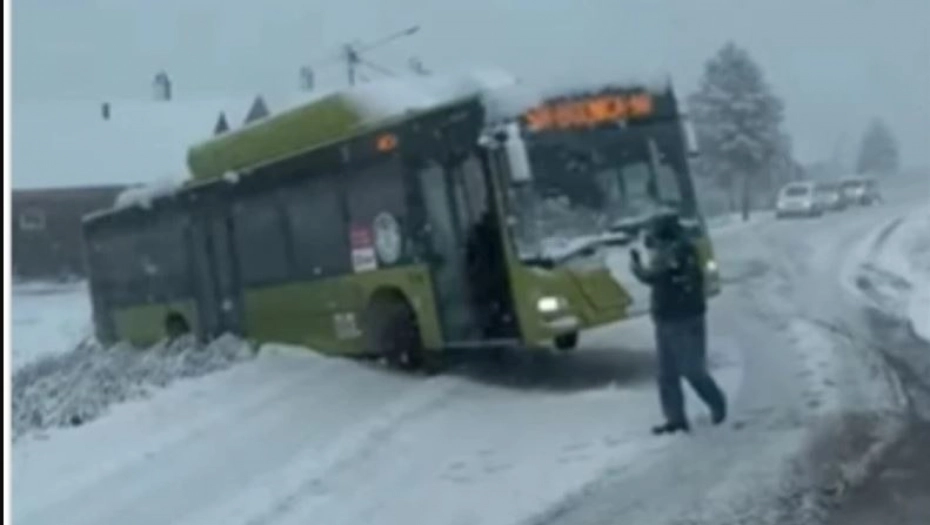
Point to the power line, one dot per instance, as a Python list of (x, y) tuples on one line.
[(379, 69), (351, 54)]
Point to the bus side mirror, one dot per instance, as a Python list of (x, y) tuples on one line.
[(518, 159)]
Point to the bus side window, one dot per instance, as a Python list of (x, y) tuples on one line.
[(379, 189), (260, 241), (120, 268), (162, 264), (319, 231)]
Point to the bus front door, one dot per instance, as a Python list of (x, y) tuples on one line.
[(447, 239)]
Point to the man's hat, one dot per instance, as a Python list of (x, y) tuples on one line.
[(665, 225)]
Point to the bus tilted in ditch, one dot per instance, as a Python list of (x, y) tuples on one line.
[(397, 235)]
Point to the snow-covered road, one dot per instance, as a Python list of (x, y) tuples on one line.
[(295, 439)]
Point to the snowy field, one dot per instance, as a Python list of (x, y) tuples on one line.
[(291, 437), (47, 318)]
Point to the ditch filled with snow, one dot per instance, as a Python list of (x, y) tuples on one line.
[(78, 386)]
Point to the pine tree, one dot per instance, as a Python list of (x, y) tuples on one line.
[(738, 123), (878, 152)]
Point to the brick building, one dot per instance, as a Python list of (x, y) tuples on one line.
[(46, 229)]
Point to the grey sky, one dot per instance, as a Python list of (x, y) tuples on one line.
[(836, 62)]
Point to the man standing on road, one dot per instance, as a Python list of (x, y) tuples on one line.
[(679, 307)]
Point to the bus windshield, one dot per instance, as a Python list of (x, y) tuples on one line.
[(592, 183)]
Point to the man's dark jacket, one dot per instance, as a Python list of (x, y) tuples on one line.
[(676, 278)]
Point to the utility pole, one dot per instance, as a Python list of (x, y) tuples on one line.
[(352, 54), (352, 62), (416, 65)]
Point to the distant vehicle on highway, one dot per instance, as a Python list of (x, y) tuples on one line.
[(829, 196), (798, 199), (861, 191)]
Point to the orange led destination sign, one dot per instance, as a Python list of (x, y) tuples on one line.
[(588, 112)]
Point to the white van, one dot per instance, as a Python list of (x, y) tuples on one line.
[(798, 199)]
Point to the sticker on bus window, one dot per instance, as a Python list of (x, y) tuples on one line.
[(388, 238), (364, 258)]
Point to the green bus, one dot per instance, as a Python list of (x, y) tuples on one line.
[(394, 236)]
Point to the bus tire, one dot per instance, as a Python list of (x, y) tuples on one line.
[(176, 325), (566, 341), (393, 333)]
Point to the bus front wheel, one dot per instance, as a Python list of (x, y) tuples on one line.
[(566, 341), (392, 332)]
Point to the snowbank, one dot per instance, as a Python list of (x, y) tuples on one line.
[(897, 268), (919, 310), (78, 386), (917, 252)]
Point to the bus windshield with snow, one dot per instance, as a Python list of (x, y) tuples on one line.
[(366, 225)]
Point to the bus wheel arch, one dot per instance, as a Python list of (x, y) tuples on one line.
[(391, 329)]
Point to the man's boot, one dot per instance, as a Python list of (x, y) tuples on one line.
[(671, 428)]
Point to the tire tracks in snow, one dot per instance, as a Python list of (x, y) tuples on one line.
[(287, 493)]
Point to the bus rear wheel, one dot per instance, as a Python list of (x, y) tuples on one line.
[(566, 341), (176, 325), (392, 332)]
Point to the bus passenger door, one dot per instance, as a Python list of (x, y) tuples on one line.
[(447, 235), (228, 287), (216, 283)]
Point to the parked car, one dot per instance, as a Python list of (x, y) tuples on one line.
[(798, 199), (861, 190), (830, 196)]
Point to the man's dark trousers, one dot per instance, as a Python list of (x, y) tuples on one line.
[(682, 350)]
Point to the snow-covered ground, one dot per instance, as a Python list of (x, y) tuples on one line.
[(47, 318), (293, 437)]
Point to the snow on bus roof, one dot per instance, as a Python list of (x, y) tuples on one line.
[(331, 116), (394, 97), (505, 95), (143, 195)]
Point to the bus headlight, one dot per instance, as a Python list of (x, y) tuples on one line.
[(711, 266), (550, 304)]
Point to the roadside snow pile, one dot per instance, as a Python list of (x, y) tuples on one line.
[(906, 254), (918, 251), (892, 269), (77, 387)]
